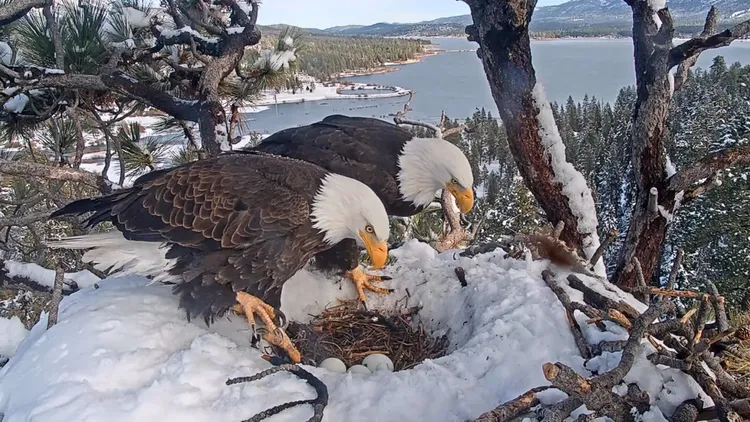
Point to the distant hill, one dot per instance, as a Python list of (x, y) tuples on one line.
[(574, 15)]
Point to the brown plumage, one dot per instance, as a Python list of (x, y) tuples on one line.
[(232, 223)]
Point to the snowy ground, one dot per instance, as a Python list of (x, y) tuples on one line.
[(325, 93), (124, 352)]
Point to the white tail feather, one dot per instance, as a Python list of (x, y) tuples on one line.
[(110, 251)]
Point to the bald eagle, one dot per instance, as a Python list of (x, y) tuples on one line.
[(230, 230), (404, 171)]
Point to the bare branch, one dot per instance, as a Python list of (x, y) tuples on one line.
[(507, 411), (713, 181), (57, 290), (709, 28), (17, 9), (612, 235), (49, 16), (29, 169), (696, 46), (676, 265), (709, 165), (435, 130)]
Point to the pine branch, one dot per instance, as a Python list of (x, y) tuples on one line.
[(511, 409), (57, 290)]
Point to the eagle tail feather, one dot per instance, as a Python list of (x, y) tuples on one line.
[(111, 251)]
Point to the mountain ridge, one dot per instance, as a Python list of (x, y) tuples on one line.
[(568, 16)]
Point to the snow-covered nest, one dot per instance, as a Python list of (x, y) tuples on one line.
[(124, 352)]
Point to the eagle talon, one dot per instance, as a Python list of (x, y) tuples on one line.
[(252, 306), (363, 281)]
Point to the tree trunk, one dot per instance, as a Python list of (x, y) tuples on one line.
[(501, 29)]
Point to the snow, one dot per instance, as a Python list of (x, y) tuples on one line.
[(144, 361), (657, 20), (289, 41), (6, 53), (657, 5), (16, 104), (10, 90), (671, 169), (235, 29), (332, 92), (245, 6), (136, 18), (54, 72), (574, 185), (46, 277), (12, 333), (274, 60), (670, 77)]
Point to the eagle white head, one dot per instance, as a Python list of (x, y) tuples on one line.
[(430, 164), (345, 208)]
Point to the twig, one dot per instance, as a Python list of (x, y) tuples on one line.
[(319, 403), (603, 246), (564, 299), (676, 265), (56, 296), (559, 411), (512, 408), (641, 280), (718, 303), (599, 300)]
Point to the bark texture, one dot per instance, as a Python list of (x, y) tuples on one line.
[(501, 28)]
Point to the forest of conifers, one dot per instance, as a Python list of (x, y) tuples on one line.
[(711, 111)]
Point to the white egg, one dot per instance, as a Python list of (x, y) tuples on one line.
[(378, 362), (333, 365), (359, 369)]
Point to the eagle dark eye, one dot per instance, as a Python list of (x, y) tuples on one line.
[(369, 229)]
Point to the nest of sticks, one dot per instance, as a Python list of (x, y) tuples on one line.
[(350, 334)]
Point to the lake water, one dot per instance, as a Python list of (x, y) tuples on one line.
[(455, 81)]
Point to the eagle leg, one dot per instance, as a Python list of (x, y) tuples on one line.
[(364, 281), (252, 306)]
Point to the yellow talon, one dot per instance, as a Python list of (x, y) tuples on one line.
[(251, 306), (364, 281)]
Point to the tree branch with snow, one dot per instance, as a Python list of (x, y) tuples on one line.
[(502, 31)]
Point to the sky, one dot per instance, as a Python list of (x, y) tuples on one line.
[(327, 13)]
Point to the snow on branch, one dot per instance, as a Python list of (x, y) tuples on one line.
[(572, 182), (695, 46)]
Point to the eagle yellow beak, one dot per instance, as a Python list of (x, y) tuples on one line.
[(377, 250), (464, 198)]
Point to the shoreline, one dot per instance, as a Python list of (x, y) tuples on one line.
[(324, 92)]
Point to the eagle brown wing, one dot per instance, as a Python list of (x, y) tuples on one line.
[(234, 220), (362, 148)]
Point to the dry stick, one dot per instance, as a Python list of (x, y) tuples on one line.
[(726, 382), (559, 411), (512, 408), (723, 410), (641, 280), (572, 323), (319, 403), (687, 411), (603, 246), (675, 293), (718, 303), (599, 300), (597, 393), (702, 318), (676, 265), (57, 289)]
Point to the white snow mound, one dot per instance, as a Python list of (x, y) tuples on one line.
[(124, 352)]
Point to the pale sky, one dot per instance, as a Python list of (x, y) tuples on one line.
[(326, 13)]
